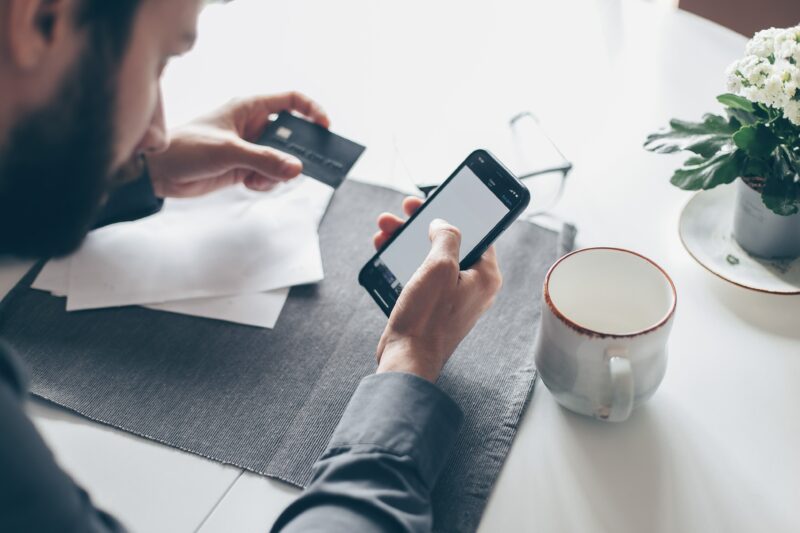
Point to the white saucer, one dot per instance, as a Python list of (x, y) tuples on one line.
[(706, 231)]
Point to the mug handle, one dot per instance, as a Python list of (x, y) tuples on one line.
[(619, 367)]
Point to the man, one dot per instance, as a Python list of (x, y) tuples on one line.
[(83, 142)]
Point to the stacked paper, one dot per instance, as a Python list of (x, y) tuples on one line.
[(231, 255)]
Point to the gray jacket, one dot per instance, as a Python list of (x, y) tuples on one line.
[(376, 474)]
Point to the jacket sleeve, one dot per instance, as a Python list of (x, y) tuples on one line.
[(382, 462), (131, 201), (35, 493)]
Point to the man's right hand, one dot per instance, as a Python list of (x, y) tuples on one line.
[(439, 305)]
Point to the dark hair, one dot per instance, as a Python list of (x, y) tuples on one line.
[(110, 23)]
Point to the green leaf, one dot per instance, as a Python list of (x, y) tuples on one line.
[(755, 167), (782, 196), (699, 174), (743, 117), (757, 140), (781, 192), (703, 138), (736, 102), (764, 112), (792, 158)]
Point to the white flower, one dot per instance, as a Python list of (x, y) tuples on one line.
[(787, 43), (792, 83), (763, 43), (734, 80), (772, 93), (769, 73), (792, 112)]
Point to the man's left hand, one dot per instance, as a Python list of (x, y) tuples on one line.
[(218, 150)]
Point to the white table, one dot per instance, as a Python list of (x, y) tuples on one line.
[(421, 83)]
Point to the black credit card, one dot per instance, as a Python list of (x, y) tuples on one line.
[(326, 156)]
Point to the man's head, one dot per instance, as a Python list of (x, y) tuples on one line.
[(80, 103)]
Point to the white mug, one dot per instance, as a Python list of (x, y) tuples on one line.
[(602, 344)]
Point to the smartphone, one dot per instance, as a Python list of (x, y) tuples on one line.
[(481, 198)]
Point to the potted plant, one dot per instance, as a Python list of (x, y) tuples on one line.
[(757, 141)]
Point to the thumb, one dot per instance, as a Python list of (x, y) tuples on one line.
[(264, 160), (445, 240)]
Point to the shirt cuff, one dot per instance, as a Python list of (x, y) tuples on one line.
[(401, 414)]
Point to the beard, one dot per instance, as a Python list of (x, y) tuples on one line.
[(54, 168)]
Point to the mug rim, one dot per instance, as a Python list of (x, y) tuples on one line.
[(593, 333)]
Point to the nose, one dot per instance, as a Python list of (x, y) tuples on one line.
[(156, 138)]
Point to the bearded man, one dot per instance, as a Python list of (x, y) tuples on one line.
[(83, 144)]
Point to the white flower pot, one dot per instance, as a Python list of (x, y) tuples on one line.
[(761, 232)]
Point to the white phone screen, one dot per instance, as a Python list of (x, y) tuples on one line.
[(466, 203)]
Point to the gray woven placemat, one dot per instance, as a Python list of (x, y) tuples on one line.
[(268, 400)]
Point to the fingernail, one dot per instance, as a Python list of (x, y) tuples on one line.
[(437, 223)]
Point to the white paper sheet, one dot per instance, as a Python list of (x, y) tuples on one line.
[(54, 277), (229, 243), (260, 309), (257, 309), (317, 194)]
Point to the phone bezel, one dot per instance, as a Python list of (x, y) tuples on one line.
[(486, 162)]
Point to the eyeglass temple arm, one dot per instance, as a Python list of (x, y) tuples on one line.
[(527, 114), (564, 168)]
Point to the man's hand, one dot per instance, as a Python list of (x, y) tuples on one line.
[(439, 305), (217, 150)]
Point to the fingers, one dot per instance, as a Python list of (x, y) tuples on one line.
[(489, 257), (411, 204), (445, 241), (269, 164), (389, 223), (484, 277), (294, 101), (379, 239), (440, 270), (257, 182)]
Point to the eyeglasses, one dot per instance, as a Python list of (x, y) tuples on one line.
[(547, 178)]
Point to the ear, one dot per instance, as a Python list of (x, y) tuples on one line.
[(33, 29)]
